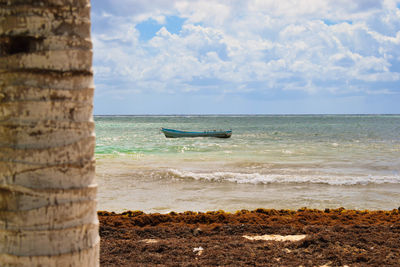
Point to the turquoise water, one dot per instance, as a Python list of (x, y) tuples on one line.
[(270, 161)]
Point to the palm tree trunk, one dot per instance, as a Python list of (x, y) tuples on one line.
[(47, 187)]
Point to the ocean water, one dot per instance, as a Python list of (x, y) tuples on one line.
[(277, 161)]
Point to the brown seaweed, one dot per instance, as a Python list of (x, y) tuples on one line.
[(334, 237)]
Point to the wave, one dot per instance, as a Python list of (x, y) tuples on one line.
[(257, 178)]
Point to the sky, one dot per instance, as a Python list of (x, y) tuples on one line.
[(246, 57)]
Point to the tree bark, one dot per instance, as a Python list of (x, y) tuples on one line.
[(47, 187)]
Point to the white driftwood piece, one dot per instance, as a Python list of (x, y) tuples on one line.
[(280, 238)]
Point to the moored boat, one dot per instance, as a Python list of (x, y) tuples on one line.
[(171, 133)]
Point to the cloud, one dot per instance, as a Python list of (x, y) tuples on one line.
[(236, 47)]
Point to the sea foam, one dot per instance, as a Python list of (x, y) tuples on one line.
[(257, 178)]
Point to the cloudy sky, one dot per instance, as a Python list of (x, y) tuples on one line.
[(246, 57)]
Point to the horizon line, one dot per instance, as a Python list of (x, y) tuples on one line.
[(249, 114)]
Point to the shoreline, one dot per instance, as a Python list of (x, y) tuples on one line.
[(332, 237)]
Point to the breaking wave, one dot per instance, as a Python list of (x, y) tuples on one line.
[(258, 178)]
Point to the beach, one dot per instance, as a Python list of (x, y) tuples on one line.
[(162, 199), (331, 237)]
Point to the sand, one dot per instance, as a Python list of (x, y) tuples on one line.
[(331, 237)]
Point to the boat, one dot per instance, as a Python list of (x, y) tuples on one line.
[(171, 133)]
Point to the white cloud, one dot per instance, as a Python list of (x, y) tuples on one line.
[(243, 46)]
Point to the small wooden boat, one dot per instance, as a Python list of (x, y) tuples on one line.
[(170, 133)]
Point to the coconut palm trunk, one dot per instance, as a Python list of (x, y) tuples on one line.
[(47, 188)]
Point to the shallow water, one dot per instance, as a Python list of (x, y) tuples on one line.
[(270, 162)]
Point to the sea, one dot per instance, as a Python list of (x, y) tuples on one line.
[(271, 161)]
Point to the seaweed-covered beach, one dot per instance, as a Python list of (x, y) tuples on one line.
[(330, 237)]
